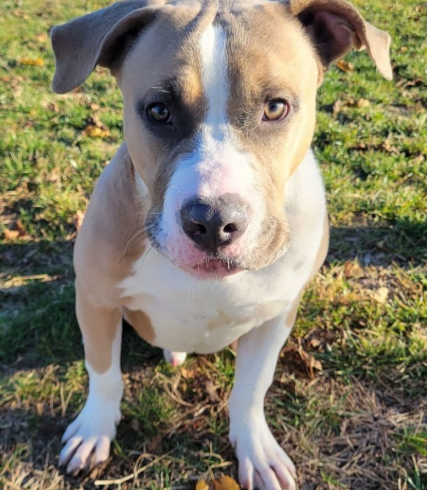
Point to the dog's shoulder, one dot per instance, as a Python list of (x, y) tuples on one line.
[(112, 235)]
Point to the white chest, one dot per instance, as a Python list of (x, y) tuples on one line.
[(192, 315)]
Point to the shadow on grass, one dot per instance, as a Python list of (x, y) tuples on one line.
[(402, 242)]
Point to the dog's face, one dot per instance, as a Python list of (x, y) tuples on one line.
[(215, 126), (219, 112)]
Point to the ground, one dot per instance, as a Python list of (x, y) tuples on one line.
[(349, 399)]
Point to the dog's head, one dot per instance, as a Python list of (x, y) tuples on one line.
[(219, 102)]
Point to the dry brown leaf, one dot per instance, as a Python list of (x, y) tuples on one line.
[(53, 177), (17, 230), (41, 38), (315, 343), (381, 295), (210, 388), (10, 234), (221, 483), (188, 373), (78, 219), (389, 148), (20, 14), (345, 66), (95, 131), (201, 485), (311, 363), (363, 103), (18, 226), (225, 483), (32, 61)]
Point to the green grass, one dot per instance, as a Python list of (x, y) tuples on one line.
[(359, 422)]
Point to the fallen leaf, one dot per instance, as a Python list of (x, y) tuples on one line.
[(417, 160), (10, 234), (299, 361), (363, 103), (19, 228), (311, 362), (95, 131), (78, 219), (345, 66), (210, 388), (389, 148), (381, 295), (53, 177), (315, 343), (32, 61), (20, 14), (41, 38), (201, 485), (225, 483), (188, 373), (15, 231)]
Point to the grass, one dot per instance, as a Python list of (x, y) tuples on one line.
[(354, 420)]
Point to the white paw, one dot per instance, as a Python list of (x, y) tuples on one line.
[(174, 358), (262, 462), (88, 438)]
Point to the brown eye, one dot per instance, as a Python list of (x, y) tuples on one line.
[(159, 113), (275, 110)]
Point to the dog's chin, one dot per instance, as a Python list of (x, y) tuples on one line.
[(214, 268), (221, 265)]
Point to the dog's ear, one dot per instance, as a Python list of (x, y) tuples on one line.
[(335, 26), (101, 37)]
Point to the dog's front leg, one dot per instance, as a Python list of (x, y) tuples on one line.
[(88, 438), (262, 462)]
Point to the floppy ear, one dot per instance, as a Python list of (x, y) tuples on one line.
[(102, 37), (335, 26)]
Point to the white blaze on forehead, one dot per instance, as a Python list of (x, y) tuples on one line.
[(213, 51), (217, 165)]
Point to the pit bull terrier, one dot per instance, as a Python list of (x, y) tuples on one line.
[(211, 218)]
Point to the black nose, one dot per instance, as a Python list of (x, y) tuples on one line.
[(215, 223)]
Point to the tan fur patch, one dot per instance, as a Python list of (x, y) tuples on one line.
[(98, 325), (141, 322), (111, 238)]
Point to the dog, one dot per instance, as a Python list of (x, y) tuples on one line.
[(211, 218)]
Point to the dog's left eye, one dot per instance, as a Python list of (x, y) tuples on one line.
[(159, 113), (275, 110)]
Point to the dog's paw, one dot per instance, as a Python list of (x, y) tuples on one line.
[(174, 358), (262, 462), (87, 439)]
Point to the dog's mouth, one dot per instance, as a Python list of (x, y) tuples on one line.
[(220, 265), (216, 268)]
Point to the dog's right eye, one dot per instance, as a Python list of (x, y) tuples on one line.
[(159, 113)]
